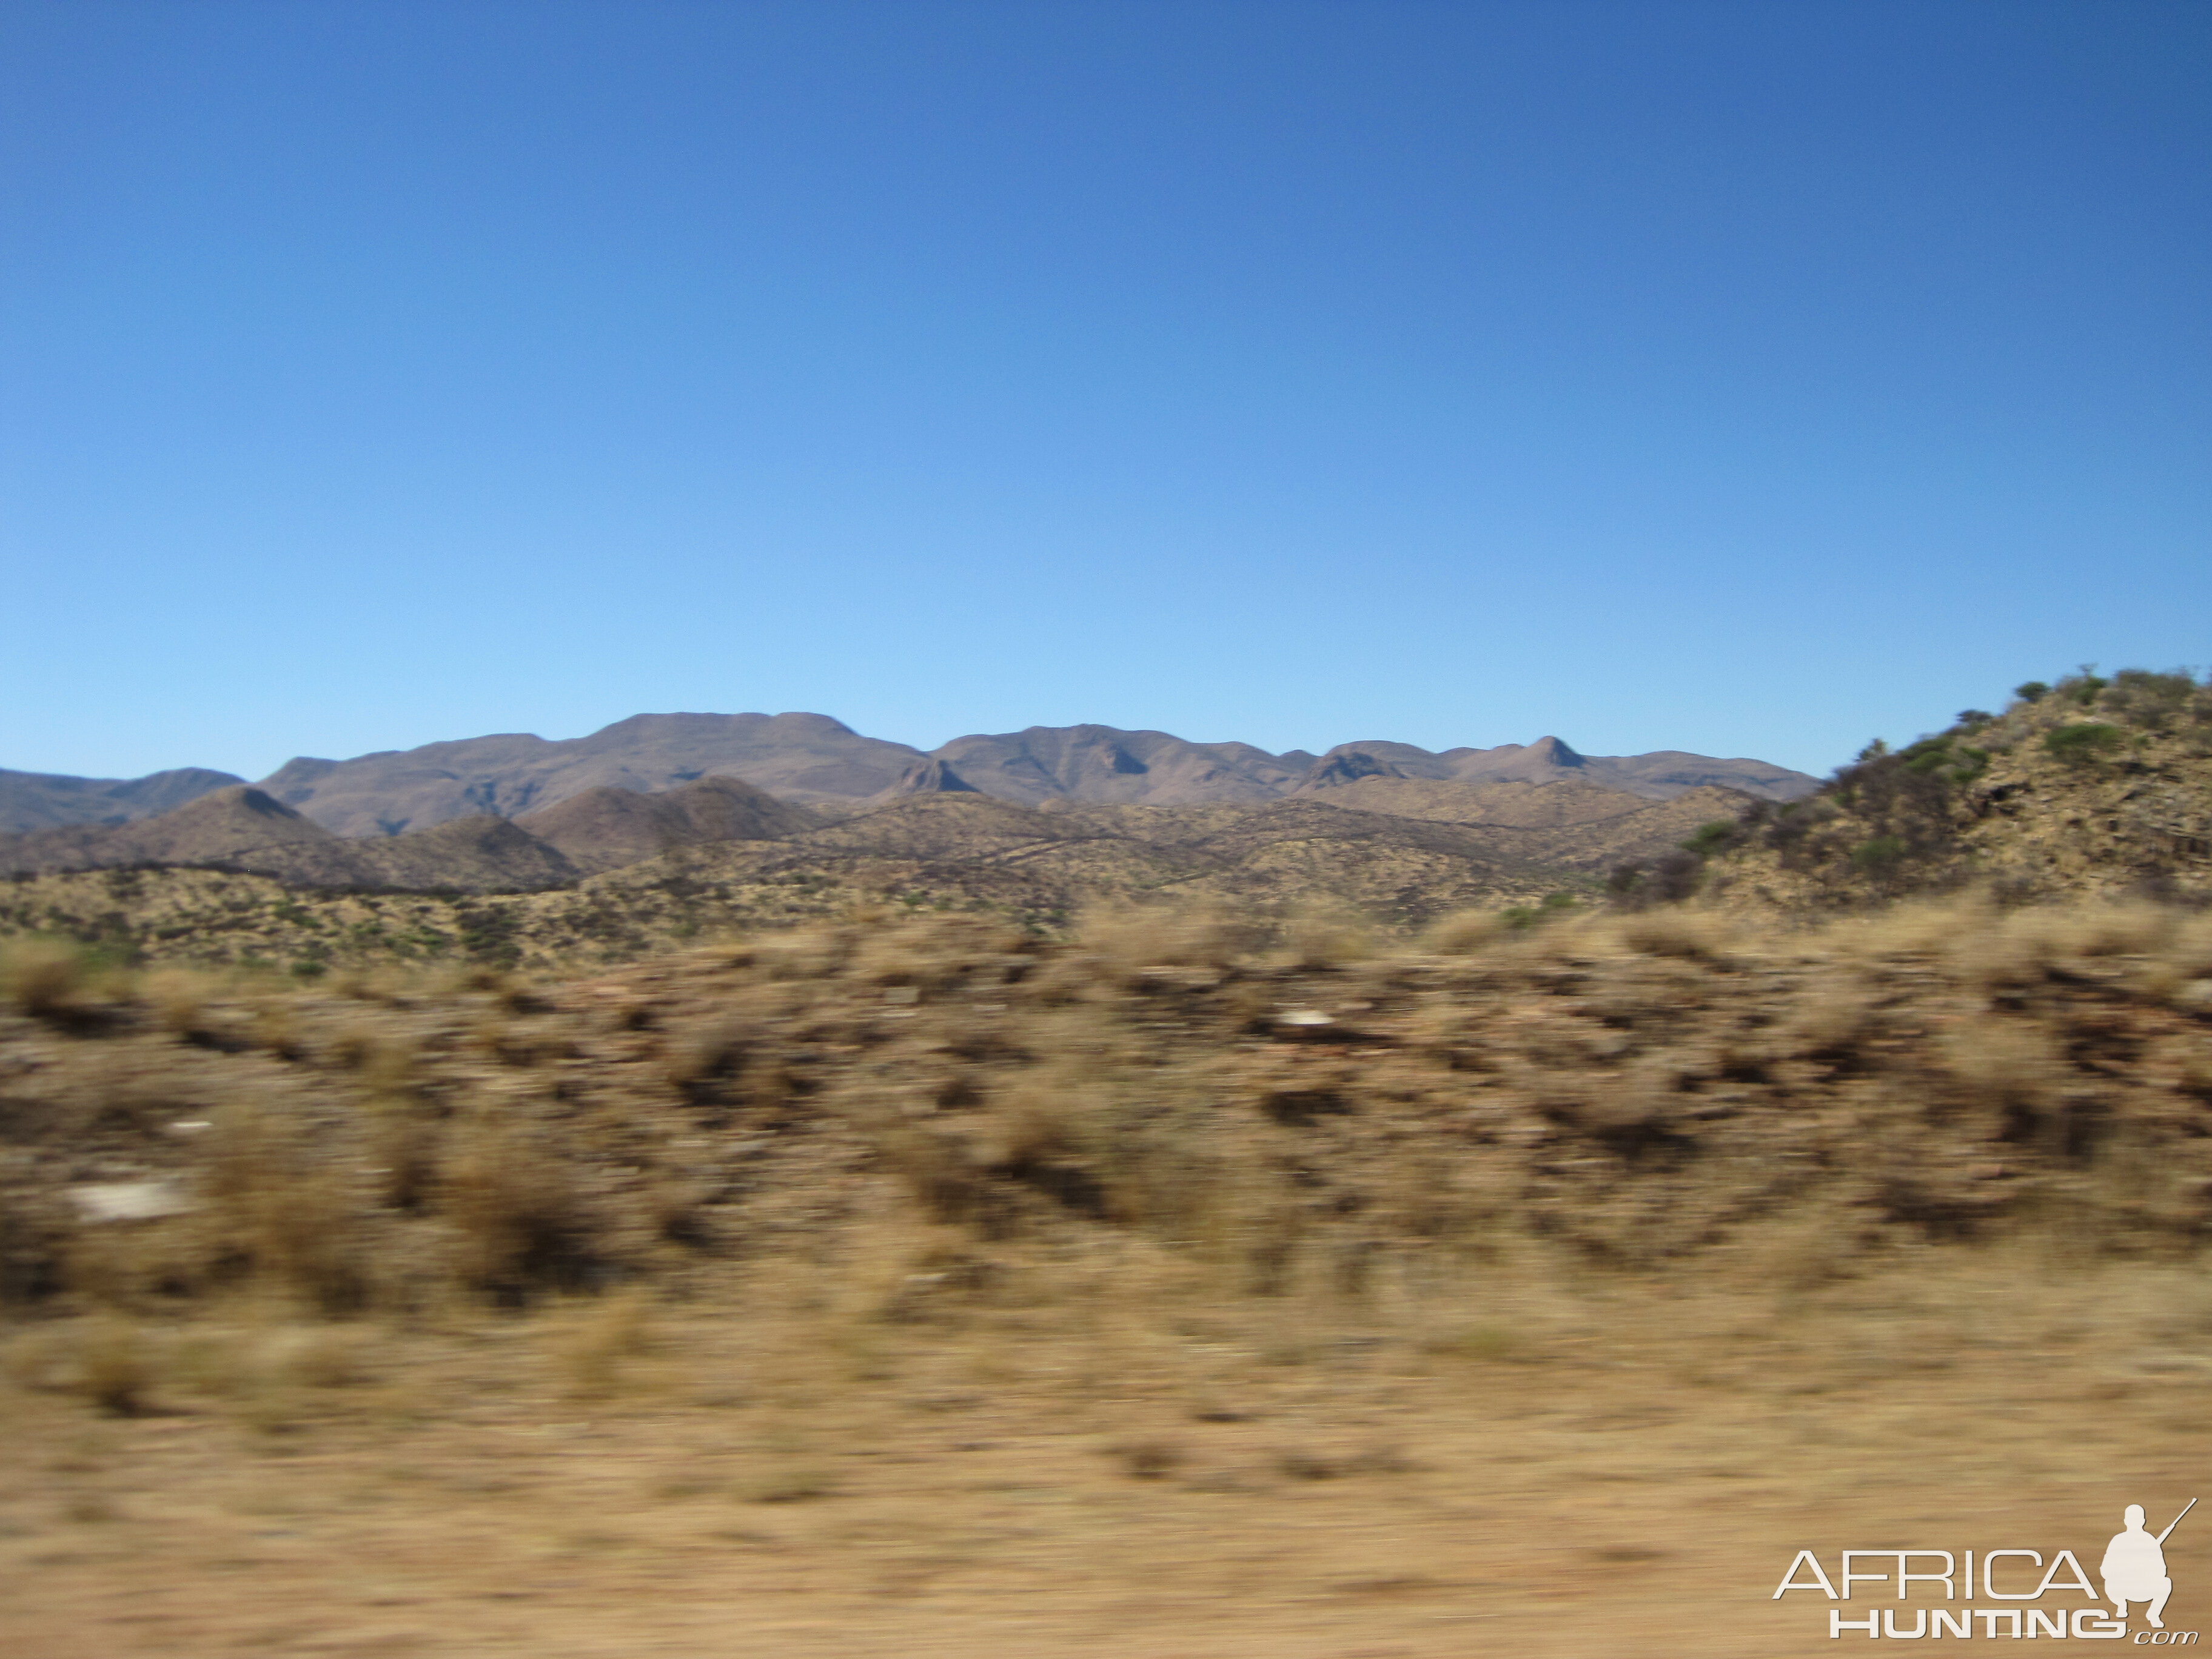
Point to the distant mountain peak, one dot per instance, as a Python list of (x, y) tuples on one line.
[(930, 777), (1342, 766), (814, 760)]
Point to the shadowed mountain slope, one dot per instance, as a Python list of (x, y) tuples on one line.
[(1101, 763), (40, 800), (927, 777), (245, 828), (1656, 776), (605, 827)]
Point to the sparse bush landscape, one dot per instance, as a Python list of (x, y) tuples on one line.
[(937, 1281), (1108, 829)]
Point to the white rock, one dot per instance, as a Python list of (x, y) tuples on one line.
[(129, 1200)]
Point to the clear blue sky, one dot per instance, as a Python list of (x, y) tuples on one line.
[(1745, 378)]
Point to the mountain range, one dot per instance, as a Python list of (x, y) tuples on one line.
[(814, 761)]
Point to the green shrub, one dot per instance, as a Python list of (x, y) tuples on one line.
[(2031, 691), (1522, 917), (2079, 743), (1714, 837), (2149, 700), (1927, 755), (1882, 853)]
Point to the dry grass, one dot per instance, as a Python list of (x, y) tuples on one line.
[(1464, 933), (1695, 934), (179, 998), (42, 978), (597, 1343), (901, 1132), (510, 1204)]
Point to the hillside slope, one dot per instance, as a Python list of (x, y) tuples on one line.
[(799, 756), (1101, 764), (2091, 787), (605, 827), (1660, 775), (41, 800), (967, 853), (243, 828)]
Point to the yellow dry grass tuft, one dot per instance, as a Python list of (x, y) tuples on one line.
[(44, 978), (515, 1218), (1465, 932)]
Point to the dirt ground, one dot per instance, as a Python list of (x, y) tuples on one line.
[(1630, 1478)]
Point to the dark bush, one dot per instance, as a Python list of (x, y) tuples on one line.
[(2031, 691), (1882, 854), (1927, 755), (1715, 837), (2079, 743), (1674, 877), (2151, 700)]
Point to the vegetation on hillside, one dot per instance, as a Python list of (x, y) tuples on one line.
[(2093, 787)]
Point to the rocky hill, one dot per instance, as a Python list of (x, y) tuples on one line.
[(801, 757), (40, 800), (2094, 787), (606, 828), (1660, 776), (811, 760), (815, 761), (1101, 763), (613, 875), (243, 828)]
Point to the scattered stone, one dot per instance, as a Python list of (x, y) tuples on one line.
[(129, 1200)]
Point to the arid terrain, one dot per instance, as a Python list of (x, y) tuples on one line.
[(1295, 1229), (217, 895), (913, 1283)]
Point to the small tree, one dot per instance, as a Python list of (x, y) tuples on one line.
[(2079, 743)]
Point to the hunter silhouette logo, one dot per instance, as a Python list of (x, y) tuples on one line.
[(2133, 1570)]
